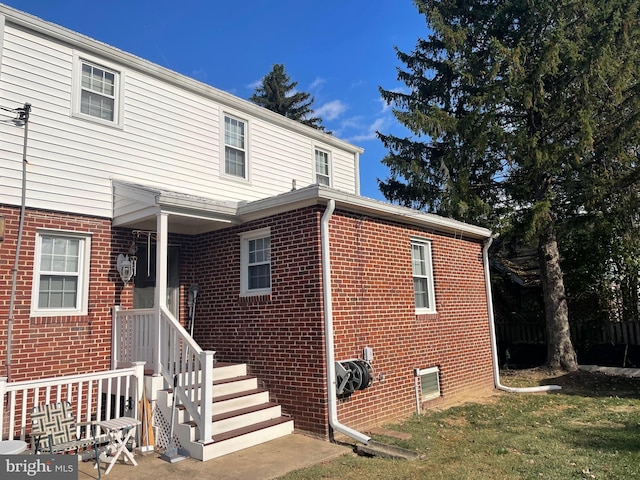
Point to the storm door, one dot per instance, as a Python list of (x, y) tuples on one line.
[(145, 279)]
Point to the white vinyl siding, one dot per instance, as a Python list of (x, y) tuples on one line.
[(61, 274), (166, 136), (323, 168), (235, 153), (422, 276), (255, 263)]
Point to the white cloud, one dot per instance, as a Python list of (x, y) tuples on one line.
[(369, 132), (331, 110), (317, 83), (199, 74), (254, 85)]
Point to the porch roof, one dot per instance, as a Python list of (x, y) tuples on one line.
[(136, 206)]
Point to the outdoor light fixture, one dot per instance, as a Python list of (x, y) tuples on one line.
[(126, 264)]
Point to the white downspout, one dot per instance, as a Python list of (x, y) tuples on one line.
[(328, 331), (492, 331)]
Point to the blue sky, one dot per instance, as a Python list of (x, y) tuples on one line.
[(340, 51)]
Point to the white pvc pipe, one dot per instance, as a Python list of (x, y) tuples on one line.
[(328, 331), (492, 331)]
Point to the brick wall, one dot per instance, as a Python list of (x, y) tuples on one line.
[(281, 338), (59, 345), (373, 307)]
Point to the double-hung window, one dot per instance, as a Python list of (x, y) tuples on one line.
[(323, 175), (235, 151), (61, 274), (422, 276), (255, 259), (97, 92)]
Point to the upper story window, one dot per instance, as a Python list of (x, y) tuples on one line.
[(422, 276), (255, 259), (235, 152), (61, 274), (97, 92), (323, 175)]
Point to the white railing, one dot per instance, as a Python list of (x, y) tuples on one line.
[(182, 359), (93, 396), (139, 334), (132, 337)]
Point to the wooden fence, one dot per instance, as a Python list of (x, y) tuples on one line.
[(618, 333)]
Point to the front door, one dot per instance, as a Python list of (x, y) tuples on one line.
[(145, 279)]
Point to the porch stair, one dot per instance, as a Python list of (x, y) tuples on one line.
[(243, 415)]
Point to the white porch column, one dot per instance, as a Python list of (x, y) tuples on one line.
[(162, 233), (160, 300)]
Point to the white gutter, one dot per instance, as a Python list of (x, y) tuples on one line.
[(328, 331), (492, 330)]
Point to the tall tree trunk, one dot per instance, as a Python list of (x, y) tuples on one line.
[(560, 353)]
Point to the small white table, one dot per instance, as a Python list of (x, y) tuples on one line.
[(12, 447), (120, 431)]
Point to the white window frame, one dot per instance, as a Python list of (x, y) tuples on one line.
[(78, 61), (82, 275), (328, 176), (420, 376), (244, 149), (425, 246), (245, 238)]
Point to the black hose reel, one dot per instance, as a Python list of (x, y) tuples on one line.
[(353, 375)]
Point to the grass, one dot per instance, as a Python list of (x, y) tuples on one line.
[(588, 430)]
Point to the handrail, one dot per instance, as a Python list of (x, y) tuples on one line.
[(157, 337), (184, 358)]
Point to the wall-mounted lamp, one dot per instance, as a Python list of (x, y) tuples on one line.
[(1, 228), (126, 265)]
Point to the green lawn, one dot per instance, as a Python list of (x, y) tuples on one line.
[(588, 430)]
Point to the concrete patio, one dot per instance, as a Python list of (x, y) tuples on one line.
[(263, 462)]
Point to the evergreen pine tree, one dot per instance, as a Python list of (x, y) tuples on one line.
[(520, 112), (277, 93)]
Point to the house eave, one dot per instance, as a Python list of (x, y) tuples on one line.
[(191, 214), (319, 194)]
